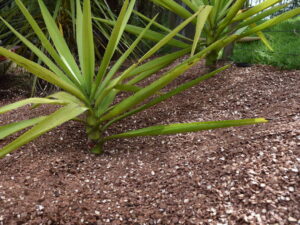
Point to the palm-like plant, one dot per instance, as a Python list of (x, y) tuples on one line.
[(10, 12), (224, 18), (92, 94), (63, 11)]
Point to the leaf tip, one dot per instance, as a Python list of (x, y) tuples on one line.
[(262, 120)]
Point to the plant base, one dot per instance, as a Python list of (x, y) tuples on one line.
[(97, 149)]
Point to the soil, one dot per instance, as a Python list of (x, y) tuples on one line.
[(241, 175)]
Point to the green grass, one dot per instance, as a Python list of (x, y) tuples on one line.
[(286, 47)]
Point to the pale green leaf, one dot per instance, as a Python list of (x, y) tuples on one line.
[(42, 73), (27, 101), (119, 62), (186, 127), (171, 93), (88, 45), (12, 128), (233, 10), (273, 21), (115, 38), (254, 10), (158, 62), (174, 7), (79, 33), (168, 37), (39, 53), (201, 19), (152, 51), (260, 16), (128, 88), (150, 35), (57, 118), (158, 25), (60, 44), (45, 42), (66, 97)]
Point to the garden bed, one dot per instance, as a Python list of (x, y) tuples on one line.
[(243, 175)]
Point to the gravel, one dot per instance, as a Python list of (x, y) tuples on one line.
[(242, 175)]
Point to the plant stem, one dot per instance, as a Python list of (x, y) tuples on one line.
[(98, 148), (211, 60), (94, 133)]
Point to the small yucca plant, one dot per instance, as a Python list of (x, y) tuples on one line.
[(93, 93), (219, 19)]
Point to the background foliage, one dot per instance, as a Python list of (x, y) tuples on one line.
[(285, 40)]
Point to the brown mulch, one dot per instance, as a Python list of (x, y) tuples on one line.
[(243, 175)]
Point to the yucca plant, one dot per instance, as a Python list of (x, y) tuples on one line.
[(88, 94), (224, 18), (64, 13)]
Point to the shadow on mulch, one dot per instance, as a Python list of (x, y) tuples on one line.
[(12, 86)]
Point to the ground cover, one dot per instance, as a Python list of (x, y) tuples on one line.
[(242, 175), (285, 41)]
